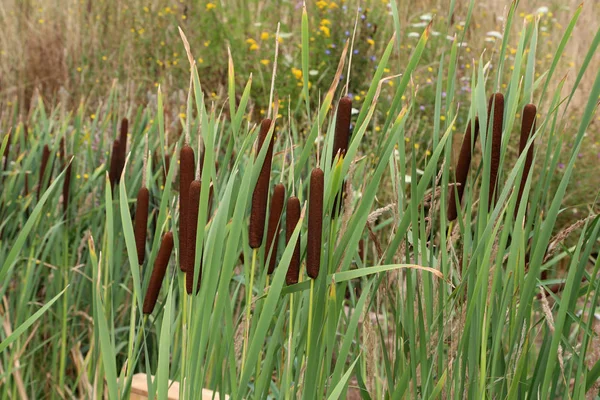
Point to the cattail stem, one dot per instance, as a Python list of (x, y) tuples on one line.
[(43, 165), (527, 129), (292, 218), (310, 313), (249, 307), (158, 273), (141, 222), (315, 223), (186, 176), (495, 107), (274, 226), (261, 191), (462, 170), (194, 204)]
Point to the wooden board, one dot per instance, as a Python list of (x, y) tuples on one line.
[(139, 390)]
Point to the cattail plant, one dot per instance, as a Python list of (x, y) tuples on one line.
[(122, 145), (158, 273), (7, 152), (273, 227), (190, 258), (43, 165), (527, 130), (261, 191), (66, 188), (495, 107), (340, 144), (186, 176), (315, 223), (291, 220), (462, 169), (115, 170), (141, 222)]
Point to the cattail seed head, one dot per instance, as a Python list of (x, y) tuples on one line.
[(115, 170), (495, 107), (291, 220), (186, 176), (527, 130), (7, 152), (62, 150), (462, 169), (315, 223), (141, 222), (274, 226), (342, 127), (43, 165), (67, 188), (123, 133), (158, 273), (190, 259), (261, 191)]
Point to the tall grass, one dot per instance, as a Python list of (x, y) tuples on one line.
[(435, 307)]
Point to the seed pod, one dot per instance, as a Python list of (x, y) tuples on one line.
[(274, 224), (186, 176), (462, 169), (342, 127), (43, 165), (114, 170), (141, 222), (66, 188), (261, 191), (291, 220), (158, 273), (315, 223), (194, 203), (496, 107), (527, 129)]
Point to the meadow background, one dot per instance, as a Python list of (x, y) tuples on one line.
[(71, 296)]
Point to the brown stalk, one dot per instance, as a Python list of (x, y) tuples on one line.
[(527, 129), (462, 170), (273, 227), (141, 222), (194, 204), (315, 223), (291, 220), (495, 107), (186, 176), (158, 273), (261, 191), (44, 164)]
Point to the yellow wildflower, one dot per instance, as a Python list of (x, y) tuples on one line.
[(264, 36), (210, 6)]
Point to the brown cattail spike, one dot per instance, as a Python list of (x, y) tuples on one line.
[(141, 222), (158, 273), (527, 130), (342, 127), (122, 147), (7, 151), (194, 203), (315, 223), (462, 169), (274, 225), (291, 220), (261, 191), (186, 176), (43, 165), (495, 107), (67, 188), (114, 169)]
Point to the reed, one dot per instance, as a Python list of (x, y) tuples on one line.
[(66, 188), (141, 222), (186, 176), (495, 107), (527, 129), (260, 195), (43, 165), (315, 223), (190, 259), (158, 273), (273, 227), (462, 170), (291, 220)]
